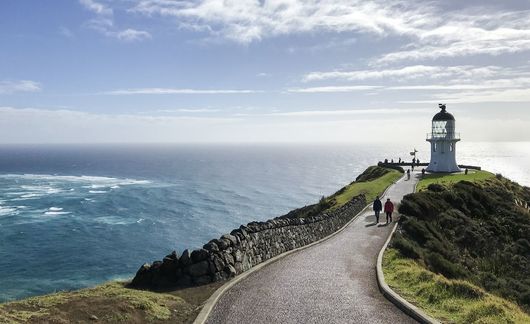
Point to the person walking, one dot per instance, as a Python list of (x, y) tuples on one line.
[(378, 206), (389, 209)]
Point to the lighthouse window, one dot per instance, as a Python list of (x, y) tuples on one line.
[(451, 147), (434, 147)]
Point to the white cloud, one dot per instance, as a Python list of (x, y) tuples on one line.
[(407, 72), (96, 7), (330, 89), (104, 23), (430, 30), (247, 21), (501, 95), (9, 87), (130, 35), (166, 91), (346, 112)]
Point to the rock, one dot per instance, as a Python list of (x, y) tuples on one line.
[(185, 258), (169, 266), (184, 281), (230, 271), (231, 238), (199, 255), (218, 263), (237, 255), (173, 255), (229, 259), (211, 246), (219, 276), (198, 269), (93, 318), (223, 244), (143, 276), (202, 280)]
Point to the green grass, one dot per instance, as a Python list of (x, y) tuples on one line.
[(110, 303), (453, 301), (451, 178), (370, 188)]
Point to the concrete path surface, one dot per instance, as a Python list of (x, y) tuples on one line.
[(331, 282)]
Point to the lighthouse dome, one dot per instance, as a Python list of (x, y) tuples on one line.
[(443, 115)]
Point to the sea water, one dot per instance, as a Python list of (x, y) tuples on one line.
[(74, 216)]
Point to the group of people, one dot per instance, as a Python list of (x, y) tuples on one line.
[(388, 208)]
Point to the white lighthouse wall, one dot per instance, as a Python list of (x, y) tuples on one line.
[(443, 159)]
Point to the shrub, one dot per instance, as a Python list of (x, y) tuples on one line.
[(436, 187), (406, 247), (439, 264)]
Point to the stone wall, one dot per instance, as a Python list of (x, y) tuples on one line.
[(244, 248)]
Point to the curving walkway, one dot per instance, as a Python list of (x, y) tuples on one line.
[(331, 282)]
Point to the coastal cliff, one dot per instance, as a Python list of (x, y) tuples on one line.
[(462, 252)]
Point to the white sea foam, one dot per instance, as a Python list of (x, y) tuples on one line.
[(112, 220), (56, 213), (97, 191), (8, 210), (83, 179), (55, 209)]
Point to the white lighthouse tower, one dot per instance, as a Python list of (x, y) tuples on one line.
[(443, 142)]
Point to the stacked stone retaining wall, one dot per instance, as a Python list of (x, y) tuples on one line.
[(244, 248)]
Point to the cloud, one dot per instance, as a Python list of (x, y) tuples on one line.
[(96, 7), (502, 95), (104, 23), (345, 112), (329, 89), (248, 21), (130, 35), (430, 30), (9, 87), (467, 33), (167, 91), (407, 72)]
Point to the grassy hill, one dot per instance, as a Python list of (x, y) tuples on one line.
[(468, 244)]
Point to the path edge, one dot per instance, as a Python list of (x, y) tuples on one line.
[(214, 298), (391, 295)]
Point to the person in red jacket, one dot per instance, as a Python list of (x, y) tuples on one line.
[(389, 209)]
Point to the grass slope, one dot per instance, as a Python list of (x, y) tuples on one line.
[(371, 183), (454, 301), (452, 178), (109, 303)]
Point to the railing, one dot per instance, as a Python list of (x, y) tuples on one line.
[(449, 136)]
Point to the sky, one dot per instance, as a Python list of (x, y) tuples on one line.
[(102, 71)]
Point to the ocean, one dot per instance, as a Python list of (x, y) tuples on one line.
[(73, 216)]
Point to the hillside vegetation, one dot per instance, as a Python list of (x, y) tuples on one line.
[(475, 234), (449, 179)]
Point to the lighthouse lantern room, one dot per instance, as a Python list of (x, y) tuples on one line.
[(443, 142)]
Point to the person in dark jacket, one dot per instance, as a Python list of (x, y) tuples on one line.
[(378, 207), (389, 209)]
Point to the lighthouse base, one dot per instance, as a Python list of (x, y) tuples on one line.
[(442, 167)]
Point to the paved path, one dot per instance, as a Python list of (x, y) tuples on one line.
[(331, 282)]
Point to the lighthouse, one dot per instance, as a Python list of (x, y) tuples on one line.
[(443, 142)]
